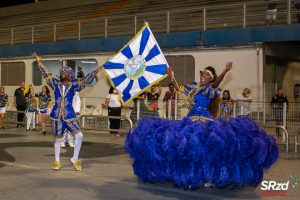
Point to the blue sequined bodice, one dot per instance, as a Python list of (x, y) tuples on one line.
[(199, 106), (201, 99)]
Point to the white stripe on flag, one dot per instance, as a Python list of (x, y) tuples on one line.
[(158, 59), (135, 87), (151, 77), (122, 86), (135, 45), (114, 72), (119, 58), (149, 46)]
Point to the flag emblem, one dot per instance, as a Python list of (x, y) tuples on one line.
[(137, 66)]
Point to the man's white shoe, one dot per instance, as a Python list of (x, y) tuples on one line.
[(62, 145)]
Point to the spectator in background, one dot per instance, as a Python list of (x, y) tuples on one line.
[(31, 108), (3, 101), (80, 73), (226, 105), (170, 96), (152, 97), (44, 100), (271, 12), (297, 7), (243, 102), (114, 107), (141, 97), (277, 103), (20, 103)]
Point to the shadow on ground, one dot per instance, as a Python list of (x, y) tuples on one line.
[(88, 150)]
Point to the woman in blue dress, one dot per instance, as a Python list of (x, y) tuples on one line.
[(199, 150)]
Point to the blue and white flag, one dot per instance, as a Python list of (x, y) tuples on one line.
[(137, 66)]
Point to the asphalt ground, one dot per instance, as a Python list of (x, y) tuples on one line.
[(25, 173)]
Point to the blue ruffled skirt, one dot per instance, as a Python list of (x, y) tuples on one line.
[(190, 153)]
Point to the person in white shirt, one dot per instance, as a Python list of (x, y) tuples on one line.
[(114, 106), (271, 11), (68, 136), (3, 101), (243, 102)]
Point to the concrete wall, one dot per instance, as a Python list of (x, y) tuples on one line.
[(247, 68), (246, 71), (290, 78)]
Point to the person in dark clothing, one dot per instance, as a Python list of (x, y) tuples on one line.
[(152, 97), (278, 101), (297, 7), (20, 103), (80, 73), (170, 96)]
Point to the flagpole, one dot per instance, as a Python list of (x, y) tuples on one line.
[(177, 85)]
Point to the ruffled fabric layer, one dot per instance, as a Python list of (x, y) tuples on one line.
[(190, 153)]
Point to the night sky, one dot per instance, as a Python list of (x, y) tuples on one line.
[(7, 3)]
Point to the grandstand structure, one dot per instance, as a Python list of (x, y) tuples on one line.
[(53, 20), (56, 27)]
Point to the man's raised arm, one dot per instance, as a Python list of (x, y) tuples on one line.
[(48, 76), (88, 79), (42, 67)]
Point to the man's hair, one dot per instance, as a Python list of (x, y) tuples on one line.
[(171, 84)]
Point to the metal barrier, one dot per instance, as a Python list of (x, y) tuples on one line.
[(261, 112), (13, 120), (286, 135), (106, 118), (82, 118), (296, 142)]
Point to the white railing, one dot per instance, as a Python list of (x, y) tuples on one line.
[(283, 122), (262, 112), (201, 18), (273, 118)]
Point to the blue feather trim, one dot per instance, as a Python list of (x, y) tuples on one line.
[(190, 153)]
